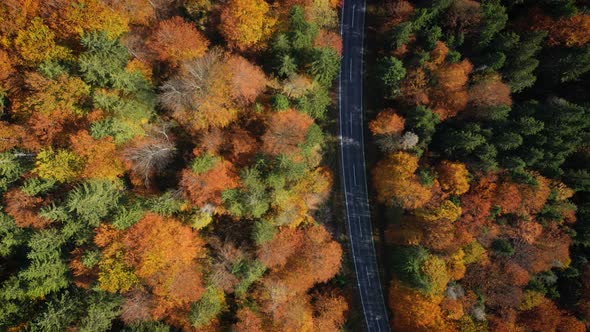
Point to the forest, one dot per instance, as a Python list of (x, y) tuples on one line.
[(480, 121), (165, 166)]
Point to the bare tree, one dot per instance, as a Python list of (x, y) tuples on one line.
[(136, 307), (390, 143), (151, 154), (185, 90)]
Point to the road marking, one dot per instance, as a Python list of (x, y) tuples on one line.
[(360, 226), (354, 174), (350, 71), (353, 7)]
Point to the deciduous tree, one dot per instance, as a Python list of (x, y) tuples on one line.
[(176, 40), (204, 185), (387, 122), (248, 80), (100, 156), (60, 165), (24, 209), (37, 43), (199, 95), (396, 183), (149, 155), (285, 132), (164, 253), (453, 177), (245, 23)]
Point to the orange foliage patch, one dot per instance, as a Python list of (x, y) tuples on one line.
[(176, 40), (286, 130), (387, 122)]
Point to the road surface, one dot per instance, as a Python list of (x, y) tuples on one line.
[(353, 171)]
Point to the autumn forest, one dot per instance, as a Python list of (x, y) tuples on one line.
[(481, 129), (162, 166), (173, 165)]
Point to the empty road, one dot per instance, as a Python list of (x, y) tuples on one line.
[(353, 171)]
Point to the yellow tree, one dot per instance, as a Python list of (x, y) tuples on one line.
[(447, 211), (74, 17), (60, 165), (114, 275), (414, 311), (453, 177), (396, 183), (245, 23), (36, 44)]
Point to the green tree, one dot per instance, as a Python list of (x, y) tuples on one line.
[(494, 19), (400, 34), (566, 128), (315, 102), (208, 307), (325, 65), (100, 311), (301, 33), (248, 272), (93, 200), (521, 61), (251, 200), (503, 247), (392, 72), (11, 168), (280, 102), (103, 59), (287, 65), (567, 65), (204, 163), (417, 268), (11, 236), (60, 312), (47, 271), (579, 180), (422, 121)]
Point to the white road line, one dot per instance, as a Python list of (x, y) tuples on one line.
[(354, 174), (360, 226), (353, 7), (350, 71)]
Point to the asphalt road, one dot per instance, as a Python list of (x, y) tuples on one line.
[(353, 170)]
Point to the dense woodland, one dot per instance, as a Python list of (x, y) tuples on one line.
[(482, 123), (163, 165)]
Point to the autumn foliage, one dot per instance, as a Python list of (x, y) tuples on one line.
[(387, 123), (481, 233), (175, 40), (286, 131), (159, 171), (245, 23), (396, 182)]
